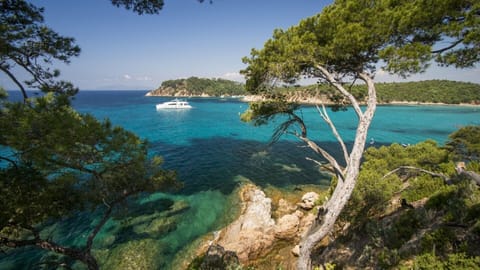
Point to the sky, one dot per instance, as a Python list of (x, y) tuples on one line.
[(125, 51)]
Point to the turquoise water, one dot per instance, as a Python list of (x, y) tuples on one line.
[(212, 150)]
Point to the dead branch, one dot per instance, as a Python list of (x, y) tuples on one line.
[(445, 178), (323, 113), (338, 170)]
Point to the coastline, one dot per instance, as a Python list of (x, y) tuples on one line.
[(315, 100)]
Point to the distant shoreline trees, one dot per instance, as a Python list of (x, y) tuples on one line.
[(194, 86), (428, 91)]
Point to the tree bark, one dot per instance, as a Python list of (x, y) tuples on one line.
[(461, 170), (334, 206)]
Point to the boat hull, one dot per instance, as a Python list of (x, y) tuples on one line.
[(174, 104)]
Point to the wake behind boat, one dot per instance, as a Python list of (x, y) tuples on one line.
[(174, 104)]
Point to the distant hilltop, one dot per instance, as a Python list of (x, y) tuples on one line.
[(199, 87), (422, 92)]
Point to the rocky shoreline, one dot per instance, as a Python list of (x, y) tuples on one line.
[(256, 233)]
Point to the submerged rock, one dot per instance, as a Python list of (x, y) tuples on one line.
[(136, 254)]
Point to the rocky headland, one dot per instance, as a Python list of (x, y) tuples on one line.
[(263, 230)]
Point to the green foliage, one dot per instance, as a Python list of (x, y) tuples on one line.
[(352, 36), (388, 258), (27, 43), (458, 201), (140, 6), (434, 91), (465, 143), (54, 161), (403, 228), (373, 191), (439, 230), (439, 241), (63, 161), (431, 91), (429, 261), (197, 86), (261, 112), (416, 33), (421, 187)]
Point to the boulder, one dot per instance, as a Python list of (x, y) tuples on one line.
[(252, 233), (287, 226), (308, 200)]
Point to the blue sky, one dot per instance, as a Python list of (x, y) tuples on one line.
[(122, 50)]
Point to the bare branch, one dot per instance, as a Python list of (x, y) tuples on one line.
[(317, 149), (322, 165), (323, 113), (331, 79), (445, 178)]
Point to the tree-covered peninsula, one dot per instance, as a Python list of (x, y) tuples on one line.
[(202, 87)]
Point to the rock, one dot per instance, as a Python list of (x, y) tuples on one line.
[(296, 251), (134, 254), (230, 259), (213, 258), (284, 207), (252, 234), (217, 258), (258, 212), (305, 224), (287, 226), (308, 200)]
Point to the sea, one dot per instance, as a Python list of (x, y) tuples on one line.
[(214, 152)]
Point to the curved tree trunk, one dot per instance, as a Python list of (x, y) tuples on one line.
[(334, 206)]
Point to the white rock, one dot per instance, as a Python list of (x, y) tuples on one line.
[(308, 200)]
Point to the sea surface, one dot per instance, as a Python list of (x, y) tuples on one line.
[(213, 151)]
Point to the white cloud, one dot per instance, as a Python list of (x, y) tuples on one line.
[(235, 76), (141, 78)]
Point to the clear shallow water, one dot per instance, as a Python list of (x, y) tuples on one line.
[(212, 150)]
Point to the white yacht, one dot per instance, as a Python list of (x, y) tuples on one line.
[(174, 104)]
